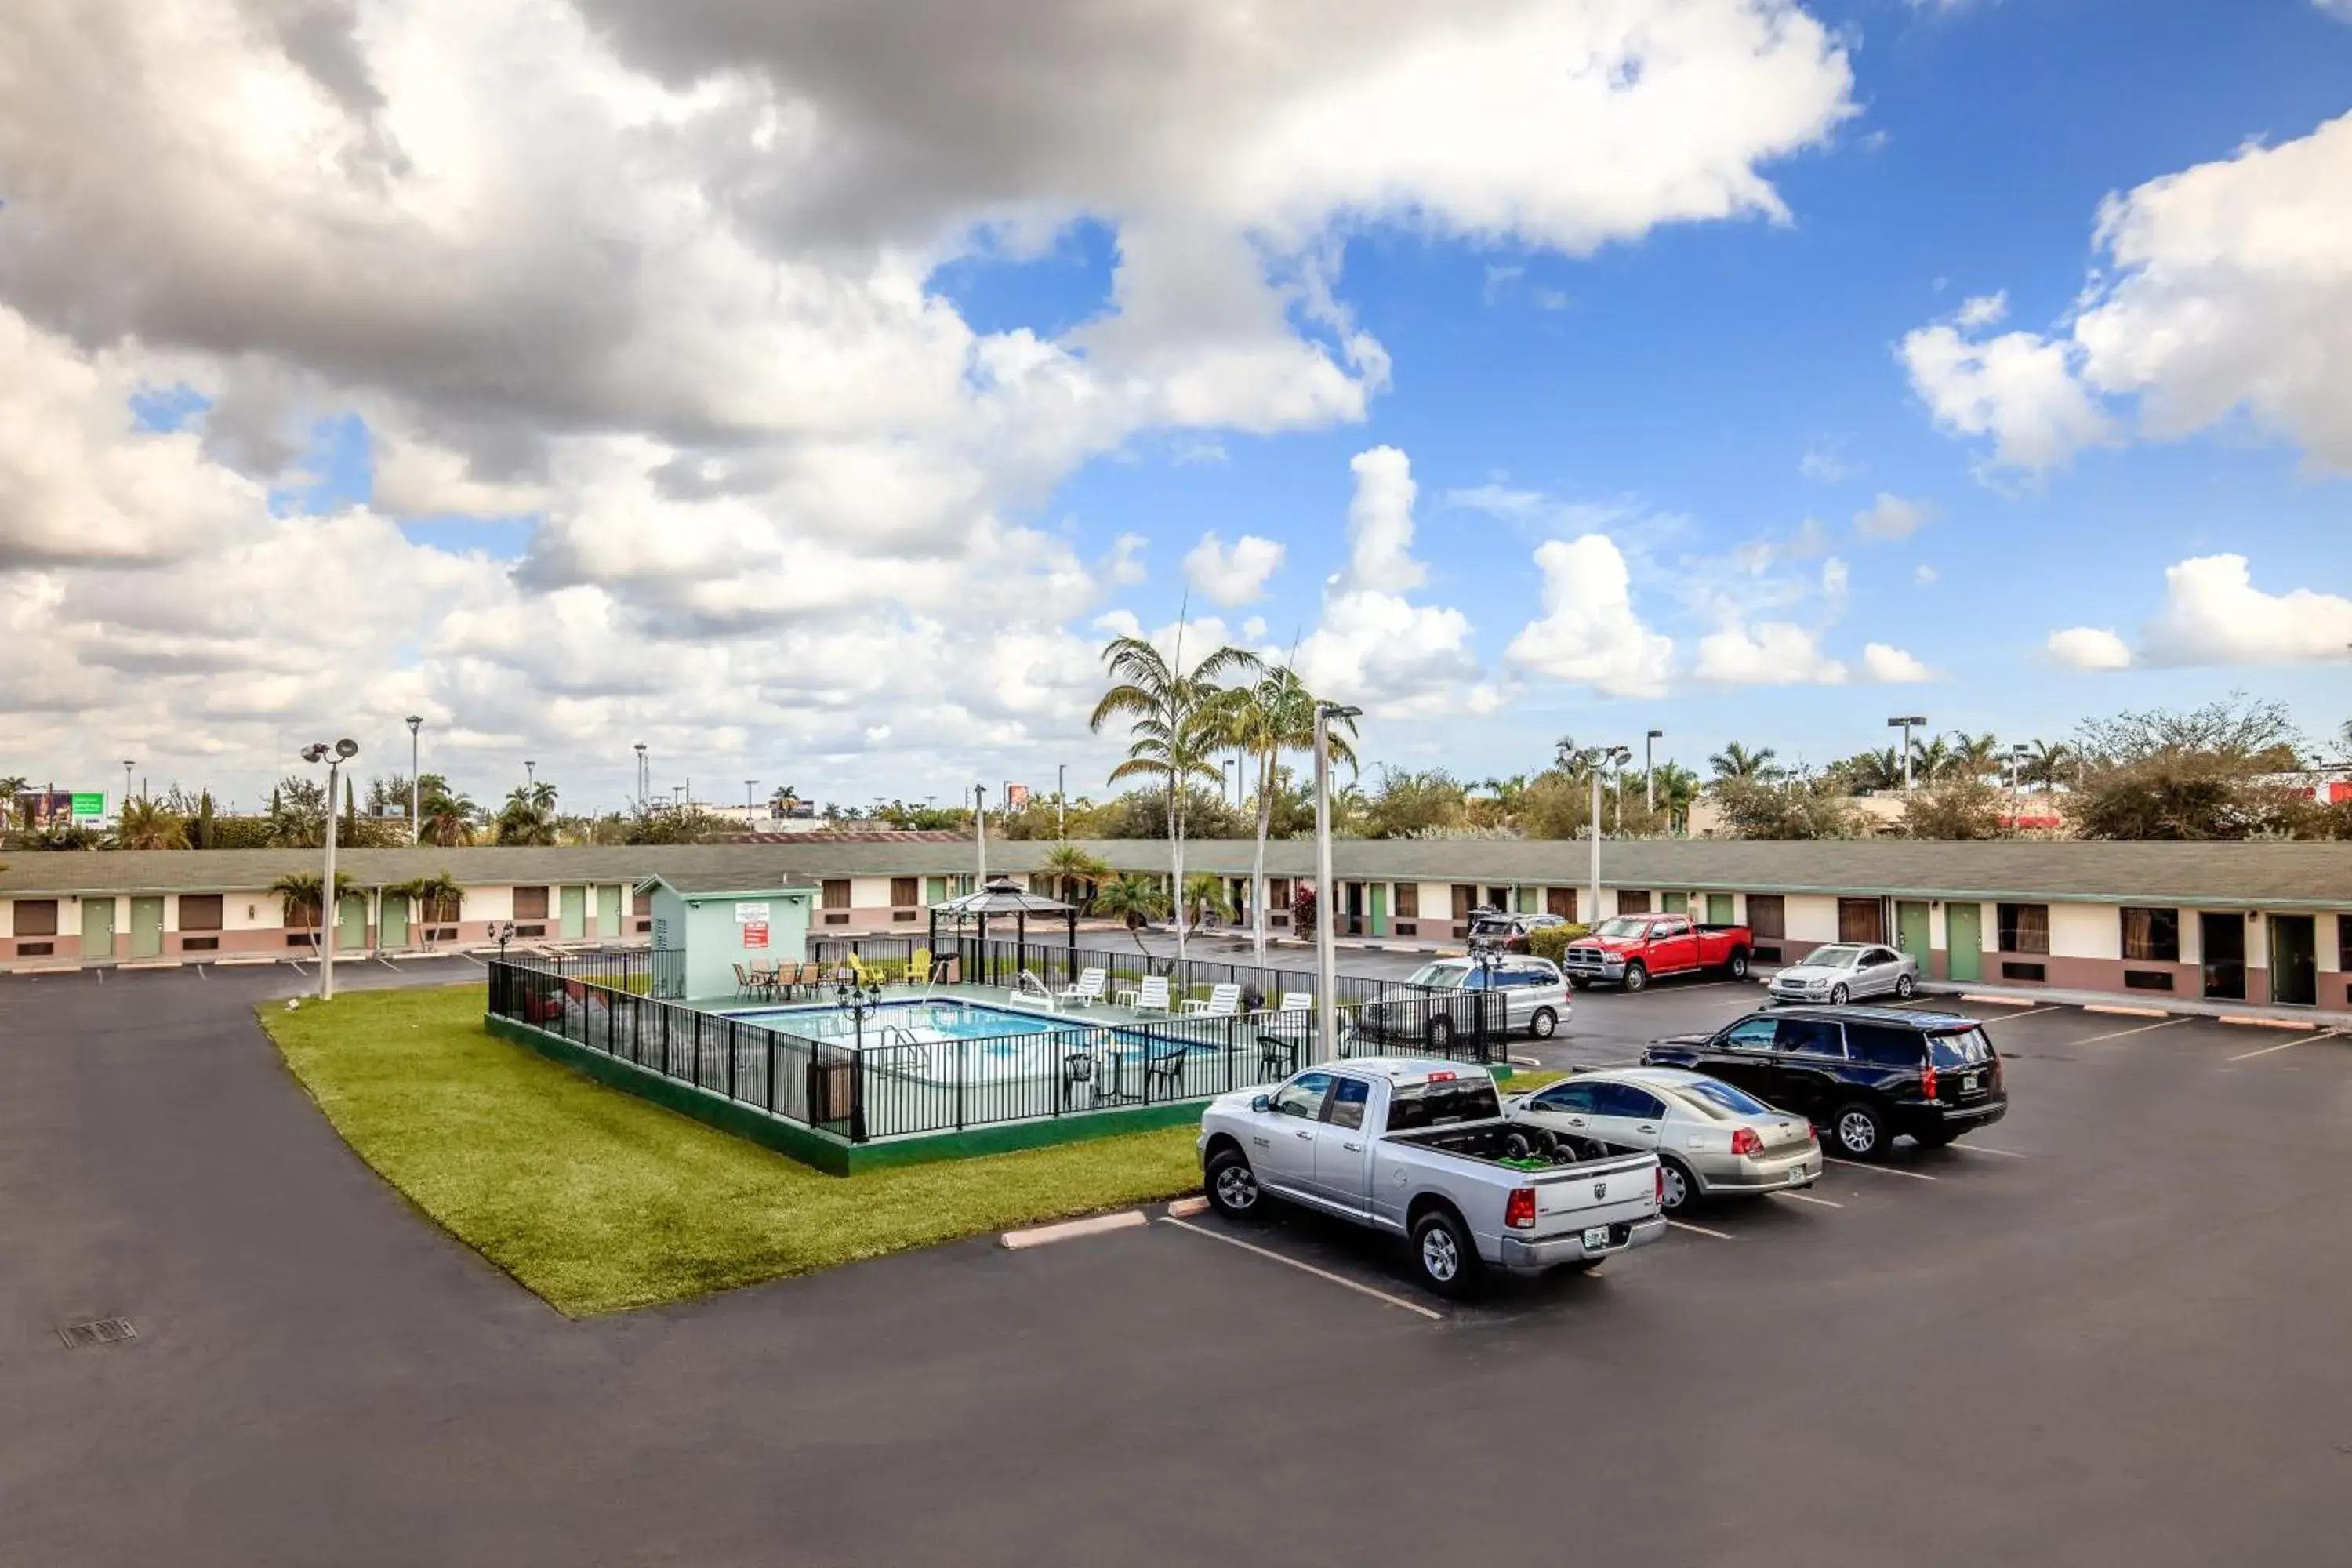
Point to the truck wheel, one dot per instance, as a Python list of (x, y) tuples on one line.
[(1737, 967), (1861, 1132), (1542, 1024), (1445, 1255), (1637, 977), (1682, 1187), (1840, 995), (1232, 1185)]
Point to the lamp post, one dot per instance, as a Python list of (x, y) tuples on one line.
[(530, 772), (1904, 724), (980, 831), (749, 785), (1595, 760), (127, 763), (856, 999), (416, 723), (1326, 957), (1649, 770), (342, 751), (2018, 753), (644, 779), (1061, 800)]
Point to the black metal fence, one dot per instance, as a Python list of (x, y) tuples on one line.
[(887, 1081)]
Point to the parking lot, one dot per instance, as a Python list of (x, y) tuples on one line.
[(2111, 1328)]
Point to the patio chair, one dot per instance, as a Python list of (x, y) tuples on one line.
[(1278, 1056), (1166, 1071), (1086, 991), (1224, 1002), (1151, 996), (1078, 1069), (744, 985)]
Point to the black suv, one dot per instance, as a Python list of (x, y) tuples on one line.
[(1862, 1075)]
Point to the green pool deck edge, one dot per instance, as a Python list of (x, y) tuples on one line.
[(825, 1150)]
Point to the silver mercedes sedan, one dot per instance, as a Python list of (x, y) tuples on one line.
[(1847, 971), (1712, 1139)]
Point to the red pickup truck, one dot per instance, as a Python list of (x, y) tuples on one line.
[(1633, 950)]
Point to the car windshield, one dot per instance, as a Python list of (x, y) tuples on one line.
[(1440, 976), (1718, 1098), (1622, 927), (1833, 958), (1965, 1050)]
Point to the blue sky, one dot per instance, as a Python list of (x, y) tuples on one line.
[(812, 405)]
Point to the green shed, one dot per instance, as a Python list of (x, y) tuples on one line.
[(716, 922)]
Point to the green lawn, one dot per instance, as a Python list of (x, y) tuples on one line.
[(598, 1200)]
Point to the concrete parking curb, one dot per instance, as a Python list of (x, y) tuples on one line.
[(2122, 1011), (2267, 1023), (1185, 1208), (1043, 1234)]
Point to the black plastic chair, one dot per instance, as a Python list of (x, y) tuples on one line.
[(1166, 1070)]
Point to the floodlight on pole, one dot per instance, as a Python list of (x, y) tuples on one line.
[(127, 763), (1326, 957), (644, 779), (1598, 758), (1905, 724), (416, 723), (342, 751), (1650, 770)]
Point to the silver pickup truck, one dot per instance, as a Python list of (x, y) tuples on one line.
[(1421, 1149)]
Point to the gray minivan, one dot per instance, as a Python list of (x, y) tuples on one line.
[(1534, 993)]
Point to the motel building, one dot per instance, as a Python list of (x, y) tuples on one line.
[(2261, 923)]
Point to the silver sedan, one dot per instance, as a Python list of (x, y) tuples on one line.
[(1847, 971), (1714, 1140)]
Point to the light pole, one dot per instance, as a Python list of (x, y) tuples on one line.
[(1326, 957), (644, 779), (1595, 760), (1904, 724), (749, 785), (127, 762), (342, 751), (1649, 770), (980, 831), (2018, 753), (1061, 800), (414, 792), (530, 772)]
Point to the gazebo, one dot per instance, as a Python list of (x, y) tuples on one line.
[(998, 899)]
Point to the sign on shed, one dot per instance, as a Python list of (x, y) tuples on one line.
[(752, 914)]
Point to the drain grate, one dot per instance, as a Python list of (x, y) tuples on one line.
[(105, 1332)]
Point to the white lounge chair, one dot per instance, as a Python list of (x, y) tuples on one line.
[(1086, 991), (1151, 996), (1224, 1002)]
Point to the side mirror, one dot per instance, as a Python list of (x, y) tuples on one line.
[(1262, 1103)]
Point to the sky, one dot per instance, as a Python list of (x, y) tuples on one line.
[(808, 389)]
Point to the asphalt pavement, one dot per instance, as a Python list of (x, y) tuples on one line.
[(2109, 1329)]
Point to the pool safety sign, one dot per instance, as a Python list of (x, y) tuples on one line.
[(752, 914), (755, 933)]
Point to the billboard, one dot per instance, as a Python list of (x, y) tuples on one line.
[(37, 809), (1015, 797)]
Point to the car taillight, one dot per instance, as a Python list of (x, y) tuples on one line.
[(1745, 1142), (1519, 1212), (1442, 1078), (1928, 1081)]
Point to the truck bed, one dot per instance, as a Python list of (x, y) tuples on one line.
[(1485, 1142)]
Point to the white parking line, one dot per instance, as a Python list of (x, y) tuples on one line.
[(1718, 1235), (1807, 1198), (2287, 1045), (1306, 1269), (1881, 1170), (1985, 1149), (2119, 1033)]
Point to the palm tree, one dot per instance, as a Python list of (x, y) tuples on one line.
[(1931, 759), (444, 817), (300, 891), (1133, 900), (437, 899), (1204, 895), (529, 816), (149, 824), (1882, 769), (1066, 863), (1974, 756), (1271, 715), (2049, 762), (1677, 787), (1737, 763), (1171, 716)]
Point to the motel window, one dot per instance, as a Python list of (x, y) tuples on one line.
[(836, 892), (36, 917), (1633, 901), (301, 914), (2343, 940), (1499, 899), (531, 903), (2025, 927), (200, 911), (903, 893), (442, 910), (2151, 936), (1561, 901), (1408, 901), (1768, 914), (642, 903), (1861, 920)]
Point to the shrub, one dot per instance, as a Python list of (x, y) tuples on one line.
[(1553, 941)]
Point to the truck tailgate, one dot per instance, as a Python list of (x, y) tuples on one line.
[(1601, 1192)]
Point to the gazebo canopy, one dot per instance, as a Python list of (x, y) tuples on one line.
[(1000, 897)]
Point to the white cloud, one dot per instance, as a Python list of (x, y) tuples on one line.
[(1890, 665), (1924, 576), (1771, 653), (2020, 389), (2090, 647), (660, 278), (1233, 575), (1373, 646), (1760, 555), (1890, 517), (2213, 614), (1823, 464), (2339, 9), (2224, 291), (1589, 632), (1981, 311), (1834, 583)]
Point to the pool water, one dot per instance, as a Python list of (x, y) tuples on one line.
[(927, 1022)]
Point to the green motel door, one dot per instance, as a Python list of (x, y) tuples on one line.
[(350, 923), (1911, 931), (1964, 940), (608, 912), (394, 919), (573, 909), (146, 928), (97, 928)]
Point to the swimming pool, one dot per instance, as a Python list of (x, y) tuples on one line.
[(924, 1022)]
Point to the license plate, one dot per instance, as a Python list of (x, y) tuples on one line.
[(1969, 1081), (1797, 1178), (1595, 1237)]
